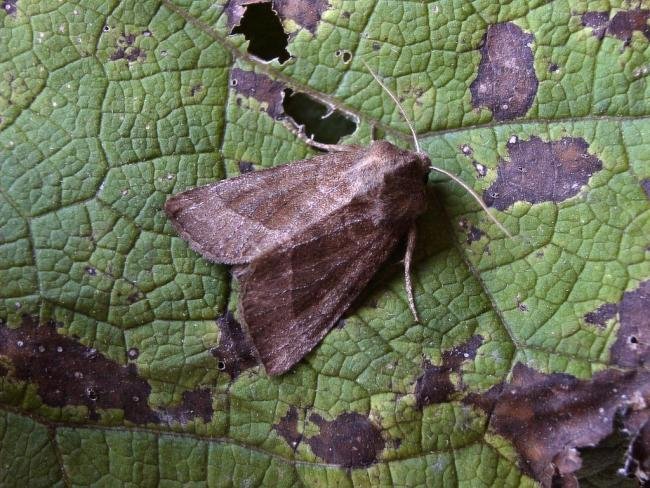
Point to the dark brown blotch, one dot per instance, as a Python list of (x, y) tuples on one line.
[(632, 346), (287, 428), (235, 352), (472, 232), (306, 13), (261, 87), (597, 21), (602, 314), (133, 353), (125, 49), (10, 7), (67, 372), (350, 440), (547, 417), (645, 184), (245, 167), (434, 385), (540, 171), (194, 404), (621, 26), (506, 82), (135, 297)]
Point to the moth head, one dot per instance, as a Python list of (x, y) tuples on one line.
[(424, 159)]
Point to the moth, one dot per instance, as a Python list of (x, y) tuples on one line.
[(305, 238)]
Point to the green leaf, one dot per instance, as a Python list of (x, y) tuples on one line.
[(119, 363)]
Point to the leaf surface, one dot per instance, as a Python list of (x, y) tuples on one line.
[(120, 359)]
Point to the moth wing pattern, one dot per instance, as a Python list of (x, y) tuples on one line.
[(234, 220), (305, 238), (303, 286)]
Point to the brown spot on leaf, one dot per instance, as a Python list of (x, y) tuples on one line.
[(506, 82), (350, 440), (598, 22), (261, 87), (548, 416), (287, 428), (434, 385), (306, 13), (195, 404), (10, 7), (521, 305), (645, 184), (473, 233), (135, 297), (68, 373), (621, 26), (235, 352), (540, 171), (632, 346), (124, 49), (245, 167), (194, 89), (602, 314)]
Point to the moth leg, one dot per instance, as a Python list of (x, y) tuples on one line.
[(410, 247)]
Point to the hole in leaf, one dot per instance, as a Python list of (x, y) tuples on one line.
[(264, 33), (327, 128)]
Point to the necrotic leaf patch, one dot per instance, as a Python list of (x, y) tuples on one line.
[(68, 373), (540, 171), (261, 88), (434, 384), (235, 352), (350, 440), (548, 416), (506, 82), (287, 428), (622, 26)]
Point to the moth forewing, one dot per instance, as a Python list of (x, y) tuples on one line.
[(235, 220)]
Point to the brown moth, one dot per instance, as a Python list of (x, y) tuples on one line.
[(305, 238)]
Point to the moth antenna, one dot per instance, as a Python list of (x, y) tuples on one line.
[(399, 105), (476, 197)]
